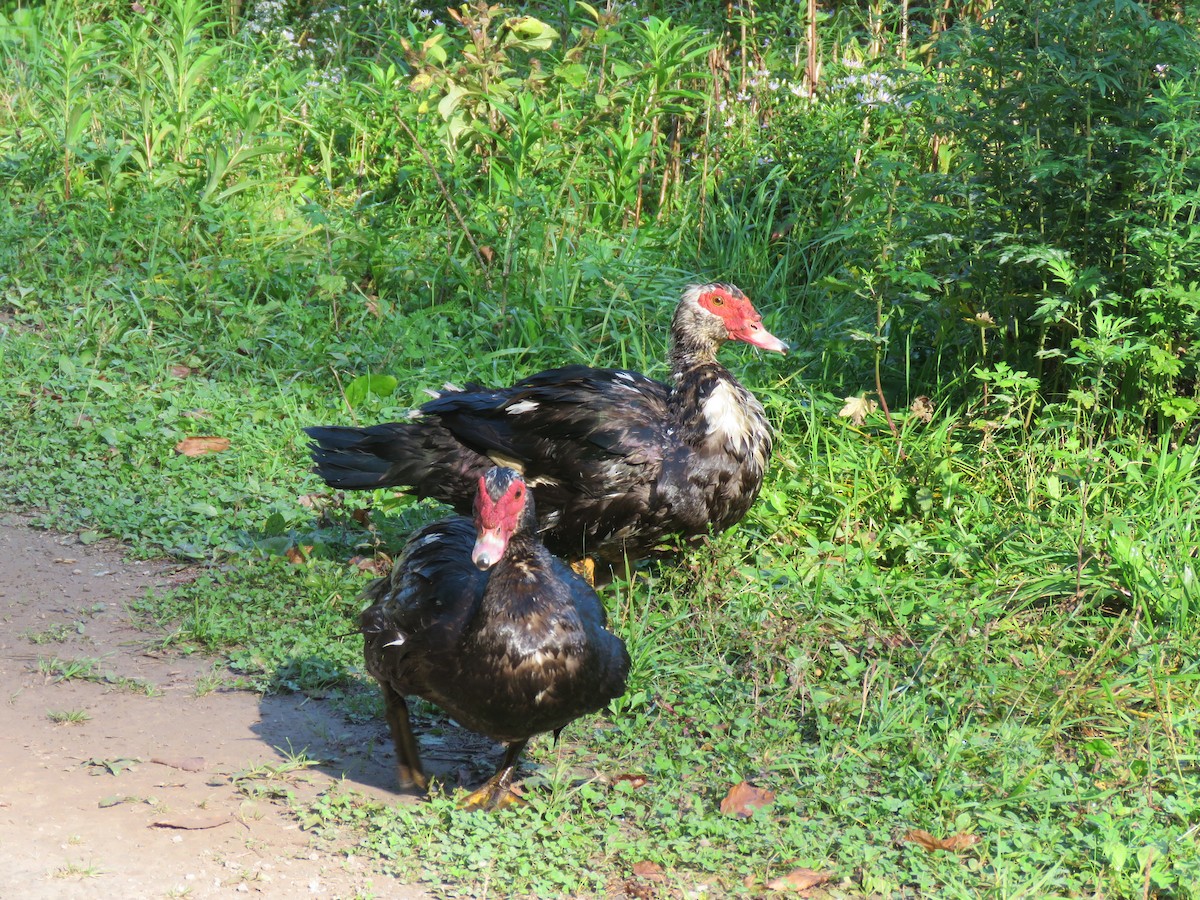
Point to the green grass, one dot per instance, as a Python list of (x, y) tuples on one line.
[(58, 669), (68, 716), (979, 624)]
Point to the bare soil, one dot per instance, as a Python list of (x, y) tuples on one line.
[(142, 799)]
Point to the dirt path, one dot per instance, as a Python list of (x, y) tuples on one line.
[(140, 799)]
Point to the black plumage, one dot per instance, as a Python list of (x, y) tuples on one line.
[(619, 462), (478, 617)]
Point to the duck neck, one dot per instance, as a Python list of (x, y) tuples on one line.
[(689, 348)]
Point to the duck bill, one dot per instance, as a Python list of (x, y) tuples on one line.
[(489, 548), (757, 336)]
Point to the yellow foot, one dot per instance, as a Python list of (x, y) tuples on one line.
[(495, 794), (411, 780)]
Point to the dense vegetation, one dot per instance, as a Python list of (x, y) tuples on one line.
[(967, 600)]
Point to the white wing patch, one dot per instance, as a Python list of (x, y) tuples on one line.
[(397, 642), (520, 407), (625, 381), (725, 413), (507, 461)]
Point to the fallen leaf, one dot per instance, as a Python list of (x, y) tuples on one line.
[(635, 781), (201, 445), (798, 880), (377, 565), (922, 408), (196, 414), (857, 409), (929, 843), (111, 766), (193, 822), (647, 869), (180, 371), (298, 554), (187, 763), (362, 516), (637, 890), (744, 798), (117, 800)]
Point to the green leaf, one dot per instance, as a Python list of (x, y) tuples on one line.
[(448, 104), (530, 33), (275, 525), (379, 385), (575, 75)]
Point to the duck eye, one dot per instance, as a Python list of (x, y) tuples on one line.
[(718, 300)]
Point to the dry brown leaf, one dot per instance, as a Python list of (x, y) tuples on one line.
[(362, 516), (635, 781), (929, 843), (376, 565), (202, 445), (798, 880), (857, 409), (180, 371), (487, 254), (298, 554), (187, 763), (196, 414), (195, 822), (647, 869), (744, 798), (922, 408), (637, 890)]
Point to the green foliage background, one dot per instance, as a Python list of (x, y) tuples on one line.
[(974, 612)]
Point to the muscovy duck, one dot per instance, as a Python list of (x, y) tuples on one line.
[(619, 462), (479, 618)]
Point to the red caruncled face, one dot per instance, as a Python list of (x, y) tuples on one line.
[(498, 509), (740, 317)]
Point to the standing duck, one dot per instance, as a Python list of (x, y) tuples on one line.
[(620, 462), (479, 618)]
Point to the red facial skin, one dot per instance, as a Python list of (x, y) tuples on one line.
[(495, 522), (741, 319)]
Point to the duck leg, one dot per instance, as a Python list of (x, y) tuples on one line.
[(409, 772), (496, 792)]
